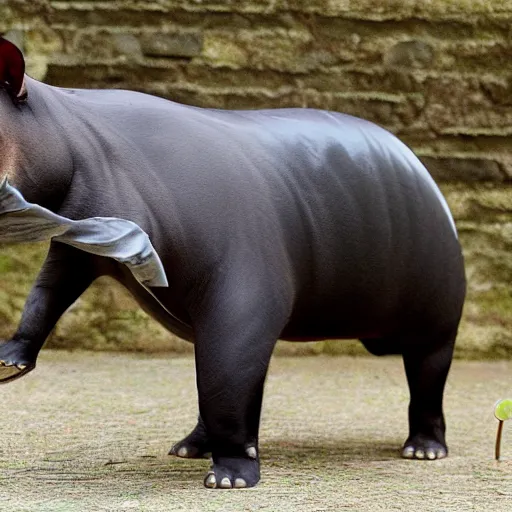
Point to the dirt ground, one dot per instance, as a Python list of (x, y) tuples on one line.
[(91, 431)]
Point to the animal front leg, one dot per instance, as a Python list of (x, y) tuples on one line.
[(196, 445), (65, 275), (230, 402), (236, 329)]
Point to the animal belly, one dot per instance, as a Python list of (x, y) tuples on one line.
[(337, 322), (160, 305)]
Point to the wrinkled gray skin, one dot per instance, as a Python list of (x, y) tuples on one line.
[(297, 224)]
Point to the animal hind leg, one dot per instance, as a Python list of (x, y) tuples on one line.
[(194, 446), (427, 366)]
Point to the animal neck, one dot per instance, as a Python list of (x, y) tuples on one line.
[(38, 159)]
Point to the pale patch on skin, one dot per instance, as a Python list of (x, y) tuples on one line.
[(420, 454), (9, 151), (23, 90), (408, 452), (9, 364), (411, 453), (251, 452), (240, 483), (225, 483), (8, 154), (211, 481)]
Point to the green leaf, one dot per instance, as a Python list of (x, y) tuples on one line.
[(503, 409)]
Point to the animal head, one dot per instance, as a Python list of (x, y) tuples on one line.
[(12, 90)]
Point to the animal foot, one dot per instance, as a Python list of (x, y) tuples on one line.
[(423, 448), (233, 472), (189, 450), (14, 362), (194, 446)]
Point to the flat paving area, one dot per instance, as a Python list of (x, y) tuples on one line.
[(91, 431)]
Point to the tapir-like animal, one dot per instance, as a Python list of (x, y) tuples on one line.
[(294, 224)]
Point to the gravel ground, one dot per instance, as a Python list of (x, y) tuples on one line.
[(90, 432)]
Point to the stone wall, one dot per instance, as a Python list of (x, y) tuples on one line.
[(435, 73)]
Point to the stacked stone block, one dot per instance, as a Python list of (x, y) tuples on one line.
[(437, 73)]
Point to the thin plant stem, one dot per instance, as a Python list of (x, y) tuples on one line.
[(498, 440)]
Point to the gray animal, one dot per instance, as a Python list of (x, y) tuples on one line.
[(291, 223)]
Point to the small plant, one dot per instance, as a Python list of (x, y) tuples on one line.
[(503, 412)]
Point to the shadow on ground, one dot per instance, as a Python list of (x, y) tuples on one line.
[(91, 431)]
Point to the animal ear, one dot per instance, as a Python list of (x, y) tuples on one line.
[(12, 70)]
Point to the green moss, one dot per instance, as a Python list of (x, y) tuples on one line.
[(107, 318), (18, 269), (6, 264)]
